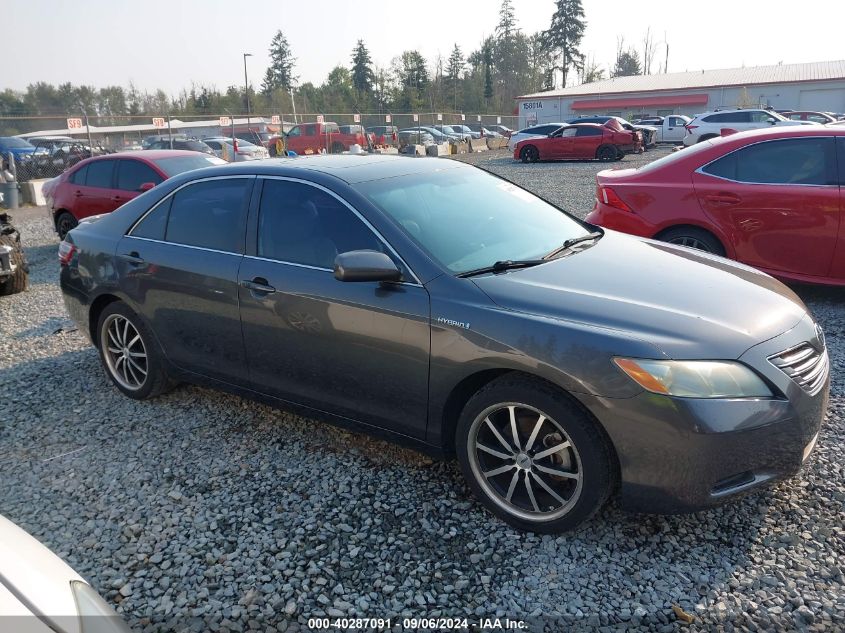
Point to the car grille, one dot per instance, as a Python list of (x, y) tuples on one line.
[(805, 364)]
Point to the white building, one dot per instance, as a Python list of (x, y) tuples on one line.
[(818, 86)]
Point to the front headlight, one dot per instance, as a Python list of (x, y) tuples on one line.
[(695, 378), (95, 615)]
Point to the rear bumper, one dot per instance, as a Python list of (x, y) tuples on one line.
[(683, 454), (622, 221)]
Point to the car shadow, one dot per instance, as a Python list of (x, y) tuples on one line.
[(75, 446)]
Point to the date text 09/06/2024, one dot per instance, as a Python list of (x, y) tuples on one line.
[(414, 624)]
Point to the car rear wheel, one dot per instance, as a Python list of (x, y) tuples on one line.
[(129, 353), (532, 456), (707, 137), (65, 222), (607, 153), (529, 154), (693, 237)]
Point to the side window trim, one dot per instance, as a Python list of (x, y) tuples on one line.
[(253, 228), (701, 169), (169, 199)]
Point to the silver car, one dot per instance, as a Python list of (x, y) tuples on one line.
[(40, 593), (224, 148)]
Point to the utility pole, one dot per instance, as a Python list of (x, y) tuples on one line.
[(246, 91)]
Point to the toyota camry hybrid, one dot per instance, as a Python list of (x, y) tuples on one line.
[(438, 304)]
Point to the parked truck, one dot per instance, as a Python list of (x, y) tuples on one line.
[(314, 138), (669, 129)]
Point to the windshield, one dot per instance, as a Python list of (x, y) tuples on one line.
[(467, 219), (178, 164)]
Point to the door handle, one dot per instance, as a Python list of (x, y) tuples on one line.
[(133, 258), (116, 198), (76, 194), (259, 286), (723, 198)]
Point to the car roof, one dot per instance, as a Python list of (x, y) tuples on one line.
[(148, 154), (769, 133), (585, 124), (349, 168)]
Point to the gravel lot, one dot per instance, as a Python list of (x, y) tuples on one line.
[(204, 511)]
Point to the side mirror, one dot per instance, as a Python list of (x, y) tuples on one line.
[(146, 186), (365, 266)]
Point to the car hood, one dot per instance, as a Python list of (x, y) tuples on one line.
[(687, 303), (33, 574)]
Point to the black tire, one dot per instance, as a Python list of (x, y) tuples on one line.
[(65, 222), (693, 237), (607, 153), (151, 384), (337, 147), (529, 154), (706, 137), (16, 282), (588, 455)]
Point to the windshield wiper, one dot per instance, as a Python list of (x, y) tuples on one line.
[(501, 266), (572, 242)]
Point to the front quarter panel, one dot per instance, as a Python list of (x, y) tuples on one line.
[(471, 334)]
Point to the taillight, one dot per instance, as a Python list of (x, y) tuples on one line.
[(609, 197), (66, 253), (690, 128)]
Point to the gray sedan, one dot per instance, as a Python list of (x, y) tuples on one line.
[(441, 306)]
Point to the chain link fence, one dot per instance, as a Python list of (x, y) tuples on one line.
[(45, 146)]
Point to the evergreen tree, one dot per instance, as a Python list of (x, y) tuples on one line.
[(564, 36), (363, 78), (282, 61), (455, 68), (487, 54), (507, 20), (627, 64)]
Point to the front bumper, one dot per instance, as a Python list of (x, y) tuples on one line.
[(686, 454)]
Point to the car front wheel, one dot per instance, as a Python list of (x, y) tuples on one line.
[(532, 456), (529, 154), (129, 353)]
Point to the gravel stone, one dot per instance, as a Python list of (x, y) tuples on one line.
[(277, 516)]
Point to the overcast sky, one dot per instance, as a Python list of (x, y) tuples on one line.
[(170, 43)]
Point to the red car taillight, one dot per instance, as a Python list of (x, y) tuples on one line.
[(66, 253), (609, 197)]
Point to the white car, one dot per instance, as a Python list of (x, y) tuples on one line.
[(543, 129), (223, 147), (710, 124), (40, 593)]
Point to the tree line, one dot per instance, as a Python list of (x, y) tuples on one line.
[(506, 64)]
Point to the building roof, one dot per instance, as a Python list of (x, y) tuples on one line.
[(175, 125), (780, 73)]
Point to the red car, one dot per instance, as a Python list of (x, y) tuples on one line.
[(314, 138), (768, 198), (103, 183), (582, 141)]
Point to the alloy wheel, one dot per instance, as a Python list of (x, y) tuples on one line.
[(690, 242), (525, 462), (124, 351)]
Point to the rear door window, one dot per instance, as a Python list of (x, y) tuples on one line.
[(100, 174), (78, 177), (210, 214), (588, 131)]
